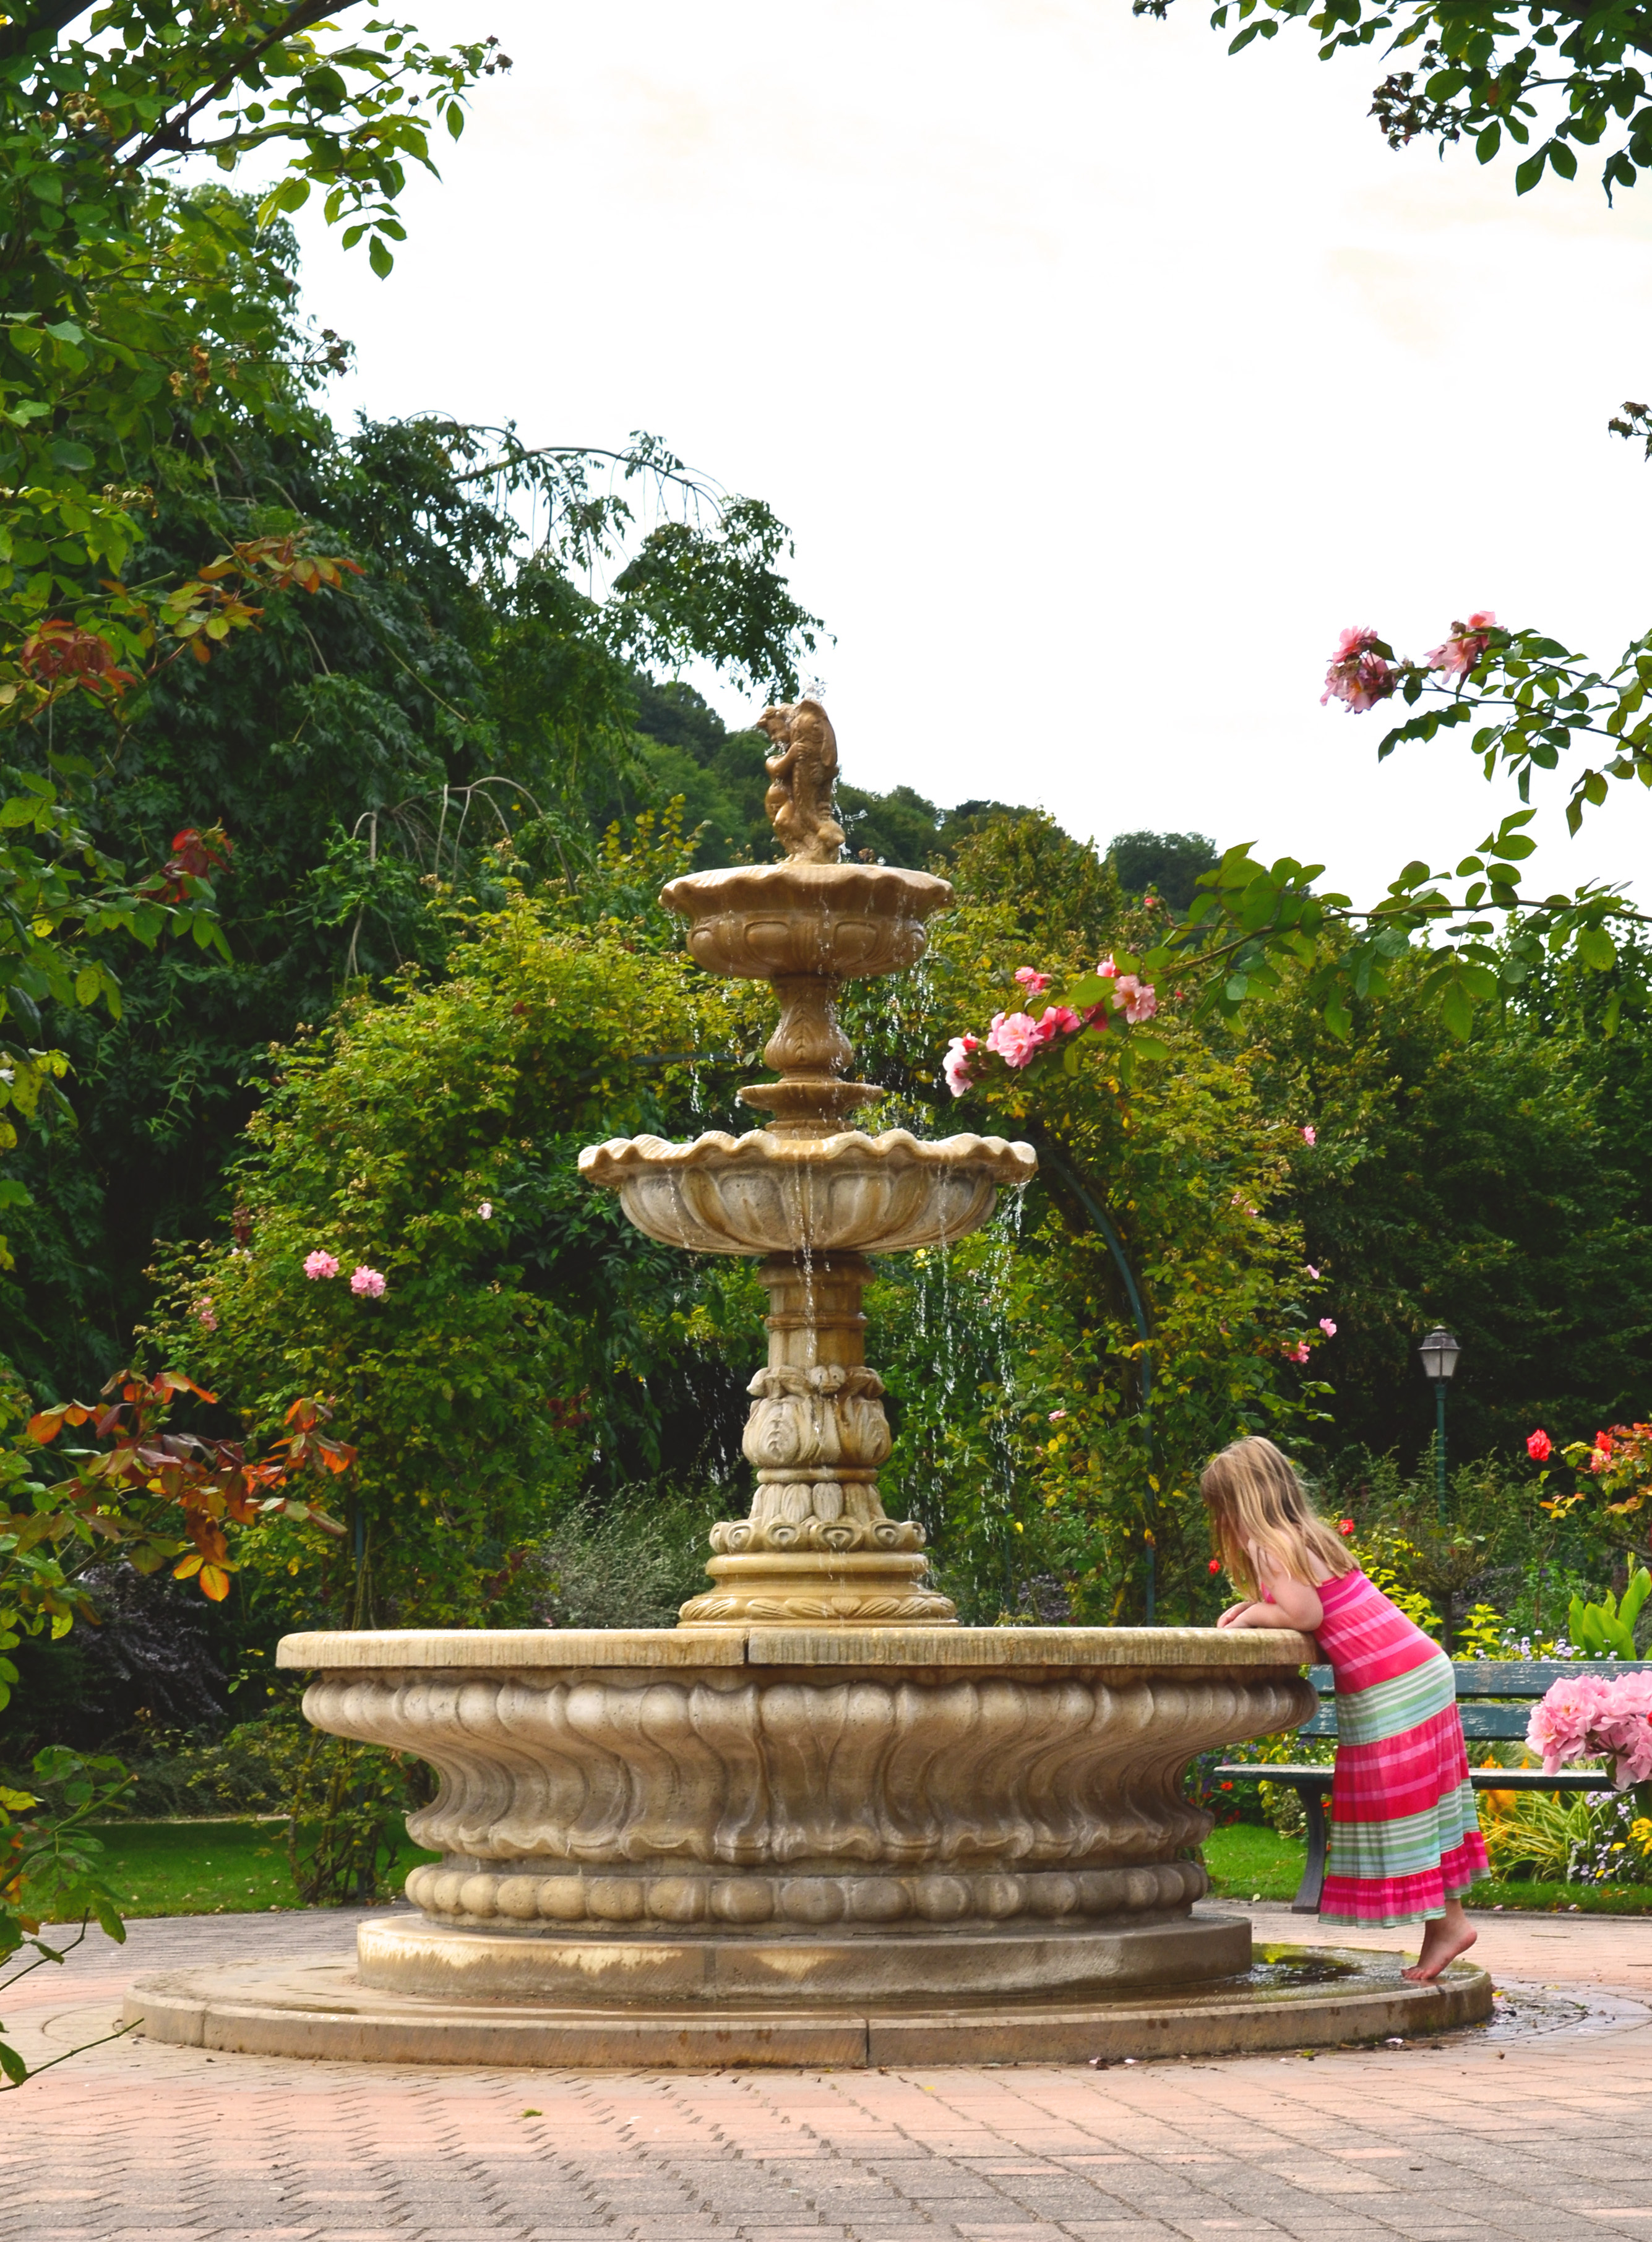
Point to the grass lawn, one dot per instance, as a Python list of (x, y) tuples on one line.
[(1248, 1863), (208, 1868)]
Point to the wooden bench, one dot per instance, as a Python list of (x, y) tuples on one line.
[(1517, 1686)]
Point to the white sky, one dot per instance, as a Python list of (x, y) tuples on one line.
[(1101, 378)]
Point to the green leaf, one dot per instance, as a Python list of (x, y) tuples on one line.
[(1457, 1009), (109, 1918), (1597, 949), (379, 258), (1529, 173)]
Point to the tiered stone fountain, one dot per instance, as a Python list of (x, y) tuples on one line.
[(817, 1821)]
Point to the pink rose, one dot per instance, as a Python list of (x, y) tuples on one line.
[(205, 1315), (1136, 1001), (320, 1264), (1464, 649), (1358, 674), (955, 1066), (1035, 983), (1560, 1725), (1539, 1447), (1017, 1037), (1297, 1354), (1060, 1019), (1313, 1271), (366, 1283), (1056, 1416), (1310, 1135), (1106, 968), (1327, 1327)]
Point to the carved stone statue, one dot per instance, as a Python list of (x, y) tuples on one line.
[(801, 773)]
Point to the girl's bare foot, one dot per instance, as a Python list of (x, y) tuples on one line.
[(1444, 1938)]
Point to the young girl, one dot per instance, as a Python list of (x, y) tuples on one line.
[(1405, 1837)]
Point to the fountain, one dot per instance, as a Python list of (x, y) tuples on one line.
[(818, 1822)]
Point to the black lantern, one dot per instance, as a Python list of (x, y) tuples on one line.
[(1440, 1351)]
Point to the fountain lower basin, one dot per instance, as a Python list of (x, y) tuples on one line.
[(688, 1813), (782, 1845)]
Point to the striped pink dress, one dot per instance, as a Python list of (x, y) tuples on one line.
[(1405, 1836)]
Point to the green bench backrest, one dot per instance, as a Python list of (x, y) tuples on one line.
[(1480, 1678)]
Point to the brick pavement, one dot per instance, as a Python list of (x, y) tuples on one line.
[(1536, 2130)]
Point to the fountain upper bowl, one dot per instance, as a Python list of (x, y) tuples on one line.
[(763, 1194), (834, 922)]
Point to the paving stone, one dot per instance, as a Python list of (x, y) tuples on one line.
[(1533, 2137)]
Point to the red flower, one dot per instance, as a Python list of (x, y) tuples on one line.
[(1345, 1526), (1216, 1564), (1539, 1447)]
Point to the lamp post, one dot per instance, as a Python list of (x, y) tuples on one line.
[(1440, 1351)]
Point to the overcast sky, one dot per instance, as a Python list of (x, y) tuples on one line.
[(1101, 378)]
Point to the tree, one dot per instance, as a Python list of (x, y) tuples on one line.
[(415, 1239), (1495, 1183), (1165, 864), (1570, 74)]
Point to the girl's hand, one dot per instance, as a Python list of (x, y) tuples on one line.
[(1233, 1616)]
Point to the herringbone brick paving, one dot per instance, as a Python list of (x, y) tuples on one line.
[(1537, 2133)]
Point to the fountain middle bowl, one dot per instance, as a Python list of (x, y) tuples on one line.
[(847, 1192)]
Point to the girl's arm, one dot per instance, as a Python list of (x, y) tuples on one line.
[(1292, 1603)]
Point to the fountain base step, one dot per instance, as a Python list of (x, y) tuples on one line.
[(1290, 1997), (429, 1959)]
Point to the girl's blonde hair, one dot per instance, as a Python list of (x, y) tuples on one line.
[(1255, 1499)]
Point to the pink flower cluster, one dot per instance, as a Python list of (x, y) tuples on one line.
[(1358, 674), (365, 1282), (1361, 673), (1589, 1715), (1459, 653), (1017, 1037)]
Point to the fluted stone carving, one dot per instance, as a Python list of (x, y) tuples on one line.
[(899, 1800)]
